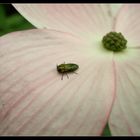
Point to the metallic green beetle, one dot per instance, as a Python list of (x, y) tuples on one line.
[(67, 68)]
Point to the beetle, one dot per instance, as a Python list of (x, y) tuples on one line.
[(67, 68)]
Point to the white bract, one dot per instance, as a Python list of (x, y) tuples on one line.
[(33, 98)]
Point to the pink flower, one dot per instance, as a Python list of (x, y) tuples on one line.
[(35, 101)]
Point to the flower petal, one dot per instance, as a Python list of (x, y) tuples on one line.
[(128, 22), (34, 99), (87, 20), (125, 115)]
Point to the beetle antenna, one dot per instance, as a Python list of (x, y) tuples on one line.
[(75, 72)]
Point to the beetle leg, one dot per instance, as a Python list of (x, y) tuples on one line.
[(62, 76), (67, 76)]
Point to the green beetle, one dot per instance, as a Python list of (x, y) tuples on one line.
[(67, 68)]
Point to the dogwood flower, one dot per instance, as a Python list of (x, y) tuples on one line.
[(103, 41)]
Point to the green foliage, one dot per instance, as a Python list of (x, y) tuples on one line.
[(13, 21), (106, 131)]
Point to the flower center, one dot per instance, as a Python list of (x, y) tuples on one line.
[(114, 41)]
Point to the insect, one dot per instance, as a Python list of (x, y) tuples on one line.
[(67, 68)]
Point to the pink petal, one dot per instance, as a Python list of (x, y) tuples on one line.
[(87, 20), (125, 116), (128, 22), (115, 8), (34, 99)]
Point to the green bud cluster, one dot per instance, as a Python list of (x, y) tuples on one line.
[(114, 41)]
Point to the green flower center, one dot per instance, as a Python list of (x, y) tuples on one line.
[(114, 41)]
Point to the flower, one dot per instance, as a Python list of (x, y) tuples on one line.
[(34, 99)]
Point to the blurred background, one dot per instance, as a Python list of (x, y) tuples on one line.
[(11, 20)]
